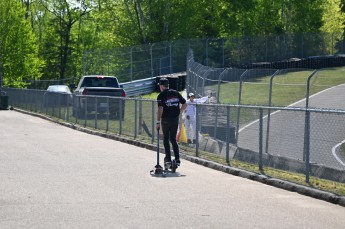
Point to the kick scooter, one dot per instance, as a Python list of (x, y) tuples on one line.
[(158, 170)]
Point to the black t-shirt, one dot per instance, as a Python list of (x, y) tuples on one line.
[(170, 101)]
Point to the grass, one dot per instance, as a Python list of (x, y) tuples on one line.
[(322, 184), (287, 88)]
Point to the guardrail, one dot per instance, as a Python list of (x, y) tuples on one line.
[(147, 86), (139, 87)]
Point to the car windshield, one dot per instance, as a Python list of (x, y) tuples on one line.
[(58, 88), (100, 82)]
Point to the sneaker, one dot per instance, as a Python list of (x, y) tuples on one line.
[(167, 164), (178, 162)]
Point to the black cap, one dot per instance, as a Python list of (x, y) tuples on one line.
[(164, 81)]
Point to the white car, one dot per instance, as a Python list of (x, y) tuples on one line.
[(57, 95)]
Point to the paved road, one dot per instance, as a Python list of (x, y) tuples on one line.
[(55, 177), (287, 130)]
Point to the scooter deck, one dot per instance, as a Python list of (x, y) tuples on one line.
[(159, 171)]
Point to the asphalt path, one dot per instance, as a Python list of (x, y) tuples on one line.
[(52, 176), (286, 132)]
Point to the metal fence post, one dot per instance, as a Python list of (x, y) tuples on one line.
[(239, 103), (59, 104), (203, 82), (108, 63), (170, 53), (306, 149), (332, 52), (269, 110), (131, 70), (140, 116), (135, 118), (84, 62), (219, 82), (197, 121), (228, 134), (68, 101), (0, 77), (206, 52), (223, 56), (76, 111), (216, 123), (260, 137), (153, 121), (119, 115), (151, 60), (85, 112), (96, 112), (107, 115)]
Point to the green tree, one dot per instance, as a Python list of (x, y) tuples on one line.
[(59, 43), (342, 10), (333, 18), (302, 16), (18, 46)]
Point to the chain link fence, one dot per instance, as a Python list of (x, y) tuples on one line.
[(306, 141), (317, 50), (145, 61), (259, 112)]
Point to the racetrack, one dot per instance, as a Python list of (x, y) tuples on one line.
[(286, 131)]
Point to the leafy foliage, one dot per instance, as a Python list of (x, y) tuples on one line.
[(49, 37), (18, 46)]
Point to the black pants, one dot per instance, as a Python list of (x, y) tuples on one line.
[(169, 127)]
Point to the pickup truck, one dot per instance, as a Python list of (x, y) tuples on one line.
[(94, 94)]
